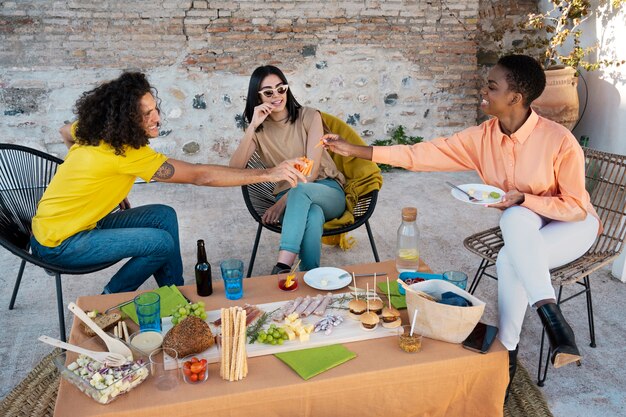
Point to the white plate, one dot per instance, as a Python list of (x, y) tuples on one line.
[(478, 191), (327, 278)]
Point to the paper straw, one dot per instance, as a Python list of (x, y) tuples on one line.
[(413, 322)]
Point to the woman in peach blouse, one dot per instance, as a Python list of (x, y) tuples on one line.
[(547, 218)]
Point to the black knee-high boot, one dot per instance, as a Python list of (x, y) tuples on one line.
[(512, 369), (560, 335)]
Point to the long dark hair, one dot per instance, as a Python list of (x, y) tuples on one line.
[(254, 99), (111, 113)]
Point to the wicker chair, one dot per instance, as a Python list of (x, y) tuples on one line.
[(605, 175), (24, 176), (259, 197)]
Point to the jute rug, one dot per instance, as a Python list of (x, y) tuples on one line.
[(36, 394)]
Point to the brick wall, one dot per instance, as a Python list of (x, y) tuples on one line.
[(376, 64)]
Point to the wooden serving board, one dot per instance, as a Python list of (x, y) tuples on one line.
[(348, 331)]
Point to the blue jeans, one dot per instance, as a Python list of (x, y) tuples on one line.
[(147, 234), (309, 206)]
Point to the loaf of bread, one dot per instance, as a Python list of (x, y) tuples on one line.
[(190, 336), (104, 321)]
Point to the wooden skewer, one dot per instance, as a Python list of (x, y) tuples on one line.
[(356, 294), (388, 292), (367, 295)]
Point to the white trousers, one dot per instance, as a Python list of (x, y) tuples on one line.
[(532, 246)]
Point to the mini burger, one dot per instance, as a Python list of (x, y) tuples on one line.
[(376, 305), (391, 318), (357, 308), (369, 321)]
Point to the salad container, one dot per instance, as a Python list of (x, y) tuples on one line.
[(103, 384)]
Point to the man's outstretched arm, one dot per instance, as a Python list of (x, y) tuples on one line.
[(177, 171)]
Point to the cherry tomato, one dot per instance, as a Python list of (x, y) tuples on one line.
[(193, 377), (203, 362), (187, 365), (196, 368), (194, 360), (187, 371)]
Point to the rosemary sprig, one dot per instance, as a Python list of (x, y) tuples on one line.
[(253, 330), (338, 302)]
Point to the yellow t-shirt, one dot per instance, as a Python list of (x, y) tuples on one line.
[(87, 186)]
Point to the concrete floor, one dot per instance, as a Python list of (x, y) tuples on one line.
[(220, 217)]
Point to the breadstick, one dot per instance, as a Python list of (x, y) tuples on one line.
[(242, 346), (115, 331), (233, 357), (125, 328), (226, 342), (222, 342)]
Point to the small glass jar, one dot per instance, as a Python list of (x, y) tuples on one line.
[(195, 369)]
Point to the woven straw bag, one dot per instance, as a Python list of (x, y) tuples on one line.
[(441, 321)]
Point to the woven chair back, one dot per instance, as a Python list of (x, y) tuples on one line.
[(24, 176)]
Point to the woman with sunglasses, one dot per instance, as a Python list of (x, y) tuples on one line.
[(279, 128)]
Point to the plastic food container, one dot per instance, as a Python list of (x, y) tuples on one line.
[(101, 383)]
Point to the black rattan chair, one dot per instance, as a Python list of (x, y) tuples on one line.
[(605, 175), (24, 176)]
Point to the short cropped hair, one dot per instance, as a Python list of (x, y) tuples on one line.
[(524, 75)]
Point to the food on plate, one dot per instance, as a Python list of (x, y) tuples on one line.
[(295, 327), (252, 313), (102, 383), (190, 336), (305, 165), (357, 308), (376, 305), (273, 335), (327, 324), (315, 302), (233, 356), (319, 311), (391, 318), (183, 311), (369, 321), (485, 195), (494, 195), (195, 370), (471, 191), (104, 321)]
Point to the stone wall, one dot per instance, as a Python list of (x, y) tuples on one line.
[(376, 64)]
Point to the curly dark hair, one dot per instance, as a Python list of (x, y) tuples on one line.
[(111, 113), (254, 99), (524, 75)]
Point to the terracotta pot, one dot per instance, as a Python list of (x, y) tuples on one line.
[(559, 101)]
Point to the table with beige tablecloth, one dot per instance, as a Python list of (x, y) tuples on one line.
[(442, 380)]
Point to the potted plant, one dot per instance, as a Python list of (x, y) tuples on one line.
[(556, 42)]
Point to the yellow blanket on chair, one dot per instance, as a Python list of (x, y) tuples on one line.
[(362, 177)]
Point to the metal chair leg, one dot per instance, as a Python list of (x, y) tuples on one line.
[(17, 284), (541, 379), (484, 264), (592, 327), (60, 306), (254, 249), (371, 237)]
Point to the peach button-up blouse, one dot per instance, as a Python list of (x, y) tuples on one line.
[(542, 159)]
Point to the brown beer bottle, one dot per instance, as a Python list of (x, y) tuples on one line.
[(203, 272)]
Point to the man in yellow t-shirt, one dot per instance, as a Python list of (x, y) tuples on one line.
[(108, 149)]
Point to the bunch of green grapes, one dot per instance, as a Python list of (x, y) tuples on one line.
[(183, 310), (272, 336)]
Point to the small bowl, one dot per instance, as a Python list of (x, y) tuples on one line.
[(409, 343), (195, 369), (146, 341), (112, 384)]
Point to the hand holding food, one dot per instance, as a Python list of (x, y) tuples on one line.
[(305, 165), (287, 171)]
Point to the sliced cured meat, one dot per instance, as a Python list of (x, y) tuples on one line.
[(321, 309), (303, 305), (312, 305)]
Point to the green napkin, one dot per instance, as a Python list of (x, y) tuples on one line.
[(310, 362), (397, 300), (170, 298)]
